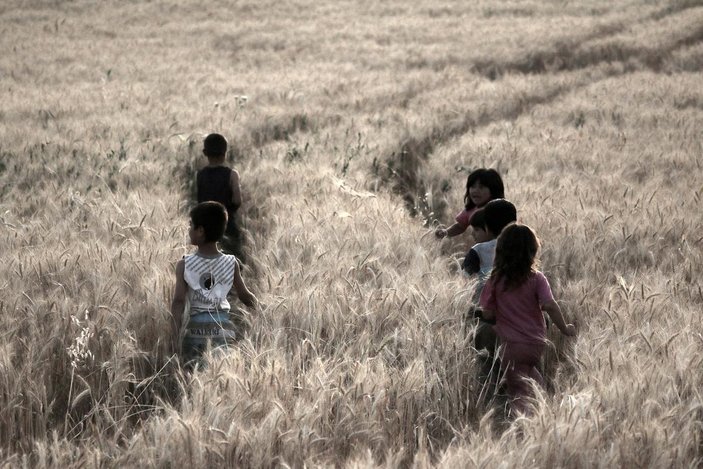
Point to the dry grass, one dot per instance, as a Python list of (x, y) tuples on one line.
[(346, 119)]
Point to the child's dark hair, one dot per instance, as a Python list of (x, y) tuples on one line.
[(487, 177), (478, 219), (212, 216), (516, 250), (497, 214), (215, 146)]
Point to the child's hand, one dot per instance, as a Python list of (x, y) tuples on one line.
[(440, 233), (569, 330)]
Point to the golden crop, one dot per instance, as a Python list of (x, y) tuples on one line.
[(353, 125)]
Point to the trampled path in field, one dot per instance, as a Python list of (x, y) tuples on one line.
[(610, 51)]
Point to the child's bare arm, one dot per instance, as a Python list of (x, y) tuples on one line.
[(554, 312), (455, 229), (243, 293), (236, 189), (178, 304)]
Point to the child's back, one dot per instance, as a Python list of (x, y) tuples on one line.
[(203, 281), (209, 280), (214, 183), (521, 318), (515, 296)]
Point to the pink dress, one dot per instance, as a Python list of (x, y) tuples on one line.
[(522, 331)]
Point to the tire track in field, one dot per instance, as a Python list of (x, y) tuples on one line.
[(678, 7), (400, 171), (545, 59), (600, 46)]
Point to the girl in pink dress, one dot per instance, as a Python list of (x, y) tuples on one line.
[(482, 186), (515, 295)]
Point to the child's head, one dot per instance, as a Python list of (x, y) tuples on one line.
[(483, 185), (497, 214), (208, 221), (516, 250), (215, 147), (478, 225)]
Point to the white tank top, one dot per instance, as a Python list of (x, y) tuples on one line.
[(209, 280), (486, 252)]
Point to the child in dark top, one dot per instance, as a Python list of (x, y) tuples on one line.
[(219, 183), (482, 186)]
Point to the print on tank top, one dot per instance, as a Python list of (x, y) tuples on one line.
[(210, 280)]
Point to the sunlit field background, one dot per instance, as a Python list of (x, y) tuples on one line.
[(354, 125)]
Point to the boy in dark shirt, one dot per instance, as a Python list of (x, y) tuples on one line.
[(219, 183)]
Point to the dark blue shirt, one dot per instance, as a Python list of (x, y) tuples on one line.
[(214, 184)]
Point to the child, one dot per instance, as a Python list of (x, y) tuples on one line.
[(487, 224), (479, 259), (219, 183), (482, 185), (515, 295), (205, 278)]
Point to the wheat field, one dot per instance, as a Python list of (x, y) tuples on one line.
[(353, 125)]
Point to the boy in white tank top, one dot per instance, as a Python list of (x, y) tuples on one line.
[(203, 280), (487, 225), (479, 259)]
